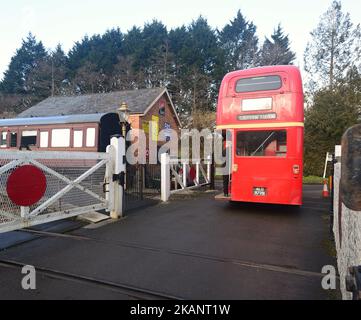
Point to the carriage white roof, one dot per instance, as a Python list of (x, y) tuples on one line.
[(79, 118)]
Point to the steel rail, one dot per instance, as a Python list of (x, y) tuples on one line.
[(128, 290), (234, 261)]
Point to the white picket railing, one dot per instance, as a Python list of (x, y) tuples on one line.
[(176, 172)]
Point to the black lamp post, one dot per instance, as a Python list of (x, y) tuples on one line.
[(124, 113)]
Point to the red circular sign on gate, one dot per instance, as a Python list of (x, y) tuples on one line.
[(26, 185)]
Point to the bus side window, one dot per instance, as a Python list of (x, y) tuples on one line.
[(3, 140), (13, 139)]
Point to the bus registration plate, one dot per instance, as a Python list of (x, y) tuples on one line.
[(259, 192)]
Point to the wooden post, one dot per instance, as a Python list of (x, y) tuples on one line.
[(165, 177), (184, 166), (212, 185), (118, 153)]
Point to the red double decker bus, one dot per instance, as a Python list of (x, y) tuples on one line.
[(263, 110)]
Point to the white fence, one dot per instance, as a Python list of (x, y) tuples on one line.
[(347, 231), (76, 183), (176, 175)]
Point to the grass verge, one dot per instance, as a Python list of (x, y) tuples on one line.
[(312, 180)]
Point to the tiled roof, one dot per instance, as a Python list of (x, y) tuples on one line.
[(138, 102)]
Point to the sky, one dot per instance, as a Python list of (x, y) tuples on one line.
[(67, 21)]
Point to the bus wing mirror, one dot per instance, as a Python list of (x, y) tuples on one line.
[(351, 168)]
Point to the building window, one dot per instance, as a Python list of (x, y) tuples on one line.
[(90, 137), (259, 84), (3, 140), (262, 143), (162, 111), (28, 138), (44, 139), (78, 138), (60, 138), (13, 140)]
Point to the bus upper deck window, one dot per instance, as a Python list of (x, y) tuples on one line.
[(264, 83), (3, 140)]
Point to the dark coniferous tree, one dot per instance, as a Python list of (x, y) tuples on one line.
[(48, 78), (22, 63), (190, 61), (276, 51), (240, 43)]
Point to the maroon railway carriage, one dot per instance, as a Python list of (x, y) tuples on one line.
[(89, 132)]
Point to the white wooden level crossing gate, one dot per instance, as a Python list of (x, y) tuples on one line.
[(76, 183), (176, 174)]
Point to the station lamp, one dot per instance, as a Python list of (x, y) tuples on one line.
[(124, 114)]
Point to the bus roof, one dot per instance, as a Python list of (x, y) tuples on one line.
[(261, 106), (79, 118), (267, 69)]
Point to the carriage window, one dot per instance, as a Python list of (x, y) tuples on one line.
[(60, 138), (78, 138), (90, 137), (262, 143), (44, 139), (259, 84), (13, 140), (3, 140), (28, 138)]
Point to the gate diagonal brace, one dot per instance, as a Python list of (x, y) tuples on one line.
[(65, 190), (11, 165), (66, 180)]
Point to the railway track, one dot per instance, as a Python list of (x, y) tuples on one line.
[(132, 292), (241, 263)]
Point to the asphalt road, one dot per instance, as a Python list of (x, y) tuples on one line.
[(192, 248)]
